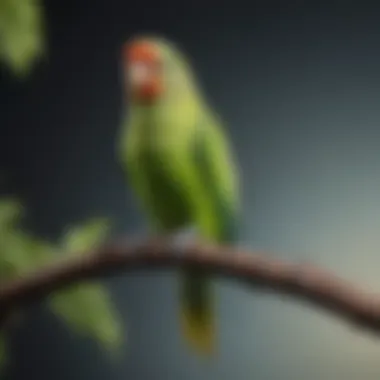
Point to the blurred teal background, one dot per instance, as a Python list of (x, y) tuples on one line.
[(298, 85)]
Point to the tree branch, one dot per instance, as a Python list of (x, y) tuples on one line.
[(304, 282)]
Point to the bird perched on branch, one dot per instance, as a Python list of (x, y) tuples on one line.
[(178, 161)]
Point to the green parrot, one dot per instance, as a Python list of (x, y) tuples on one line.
[(178, 161)]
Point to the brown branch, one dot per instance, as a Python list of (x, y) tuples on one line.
[(304, 282)]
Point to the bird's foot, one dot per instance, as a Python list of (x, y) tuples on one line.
[(181, 240)]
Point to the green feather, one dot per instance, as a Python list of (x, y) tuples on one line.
[(178, 161)]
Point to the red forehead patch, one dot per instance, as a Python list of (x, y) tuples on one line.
[(141, 51)]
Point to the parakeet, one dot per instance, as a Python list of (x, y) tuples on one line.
[(179, 163)]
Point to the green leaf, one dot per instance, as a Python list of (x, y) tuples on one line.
[(20, 253), (22, 33), (79, 239), (11, 211), (40, 253), (88, 308)]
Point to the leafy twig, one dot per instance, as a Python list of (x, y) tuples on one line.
[(304, 282)]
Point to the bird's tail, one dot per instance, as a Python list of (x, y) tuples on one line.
[(198, 303), (197, 312)]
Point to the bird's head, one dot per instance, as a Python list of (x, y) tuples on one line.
[(153, 69)]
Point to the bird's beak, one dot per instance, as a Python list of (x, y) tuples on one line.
[(143, 71)]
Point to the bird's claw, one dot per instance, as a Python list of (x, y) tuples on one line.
[(182, 240)]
